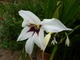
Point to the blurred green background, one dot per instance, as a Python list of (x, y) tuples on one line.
[(67, 11)]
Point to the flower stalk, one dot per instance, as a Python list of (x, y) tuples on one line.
[(42, 55), (53, 52)]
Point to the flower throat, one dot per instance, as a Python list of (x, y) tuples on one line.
[(34, 28)]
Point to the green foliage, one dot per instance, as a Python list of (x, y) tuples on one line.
[(10, 27), (68, 11), (50, 7)]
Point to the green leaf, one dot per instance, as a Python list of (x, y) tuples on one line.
[(56, 13), (49, 8), (69, 10)]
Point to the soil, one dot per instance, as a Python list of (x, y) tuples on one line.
[(8, 55)]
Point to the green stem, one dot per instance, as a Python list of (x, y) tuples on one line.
[(53, 52), (30, 57), (42, 55)]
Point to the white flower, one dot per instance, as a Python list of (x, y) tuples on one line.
[(54, 41), (33, 29)]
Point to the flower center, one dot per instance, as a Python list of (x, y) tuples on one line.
[(37, 27), (34, 28)]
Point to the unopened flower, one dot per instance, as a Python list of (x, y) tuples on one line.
[(67, 42)]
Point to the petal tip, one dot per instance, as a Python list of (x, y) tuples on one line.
[(18, 39), (69, 29), (21, 11)]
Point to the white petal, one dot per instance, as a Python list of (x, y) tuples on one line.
[(27, 15), (23, 32), (25, 23), (29, 45), (53, 25), (41, 38), (39, 41), (46, 40), (27, 35), (50, 29)]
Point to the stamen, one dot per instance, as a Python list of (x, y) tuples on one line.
[(34, 28)]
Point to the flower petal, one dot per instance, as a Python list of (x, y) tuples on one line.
[(25, 23), (39, 41), (46, 40), (27, 35), (23, 32), (53, 25), (41, 38), (29, 45), (27, 15)]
